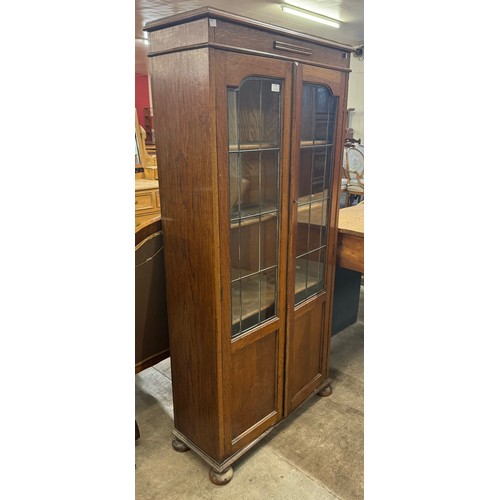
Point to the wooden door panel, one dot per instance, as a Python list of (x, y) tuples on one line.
[(306, 352), (253, 352), (254, 389), (317, 131)]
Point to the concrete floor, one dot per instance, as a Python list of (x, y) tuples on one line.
[(316, 454)]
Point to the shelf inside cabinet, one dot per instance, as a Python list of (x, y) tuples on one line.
[(252, 220), (253, 146), (316, 217), (251, 295), (308, 282), (318, 206), (310, 144), (252, 214), (303, 279)]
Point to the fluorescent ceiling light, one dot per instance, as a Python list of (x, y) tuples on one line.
[(319, 18)]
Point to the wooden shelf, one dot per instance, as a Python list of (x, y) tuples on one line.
[(319, 205), (252, 220), (250, 293), (253, 146), (309, 144), (250, 215)]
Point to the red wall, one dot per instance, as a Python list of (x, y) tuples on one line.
[(142, 99)]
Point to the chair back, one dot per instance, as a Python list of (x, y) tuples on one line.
[(354, 163)]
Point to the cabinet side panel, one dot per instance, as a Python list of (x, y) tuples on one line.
[(185, 128)]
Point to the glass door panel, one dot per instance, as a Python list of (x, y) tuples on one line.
[(319, 110), (254, 131)]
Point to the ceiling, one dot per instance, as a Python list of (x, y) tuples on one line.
[(349, 12)]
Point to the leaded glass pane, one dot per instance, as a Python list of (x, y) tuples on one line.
[(254, 130), (242, 247), (269, 163), (268, 294), (315, 175)]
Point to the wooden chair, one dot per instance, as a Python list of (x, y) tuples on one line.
[(145, 161), (354, 168), (343, 185), (151, 324)]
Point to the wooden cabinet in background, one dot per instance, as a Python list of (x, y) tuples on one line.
[(249, 122), (147, 200)]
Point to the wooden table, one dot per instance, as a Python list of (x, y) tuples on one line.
[(350, 240), (349, 268)]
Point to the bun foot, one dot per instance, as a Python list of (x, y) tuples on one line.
[(221, 478), (326, 391), (179, 446)]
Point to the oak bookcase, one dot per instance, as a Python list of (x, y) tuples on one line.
[(249, 122)]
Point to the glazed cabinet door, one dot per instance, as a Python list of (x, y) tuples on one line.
[(316, 157), (253, 144)]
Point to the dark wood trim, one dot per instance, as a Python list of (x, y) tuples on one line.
[(179, 49), (218, 76), (210, 12), (341, 91), (239, 50), (296, 49), (221, 188)]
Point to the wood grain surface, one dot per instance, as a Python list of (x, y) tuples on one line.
[(350, 245), (352, 220)]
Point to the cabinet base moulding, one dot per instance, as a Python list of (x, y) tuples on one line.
[(222, 467)]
